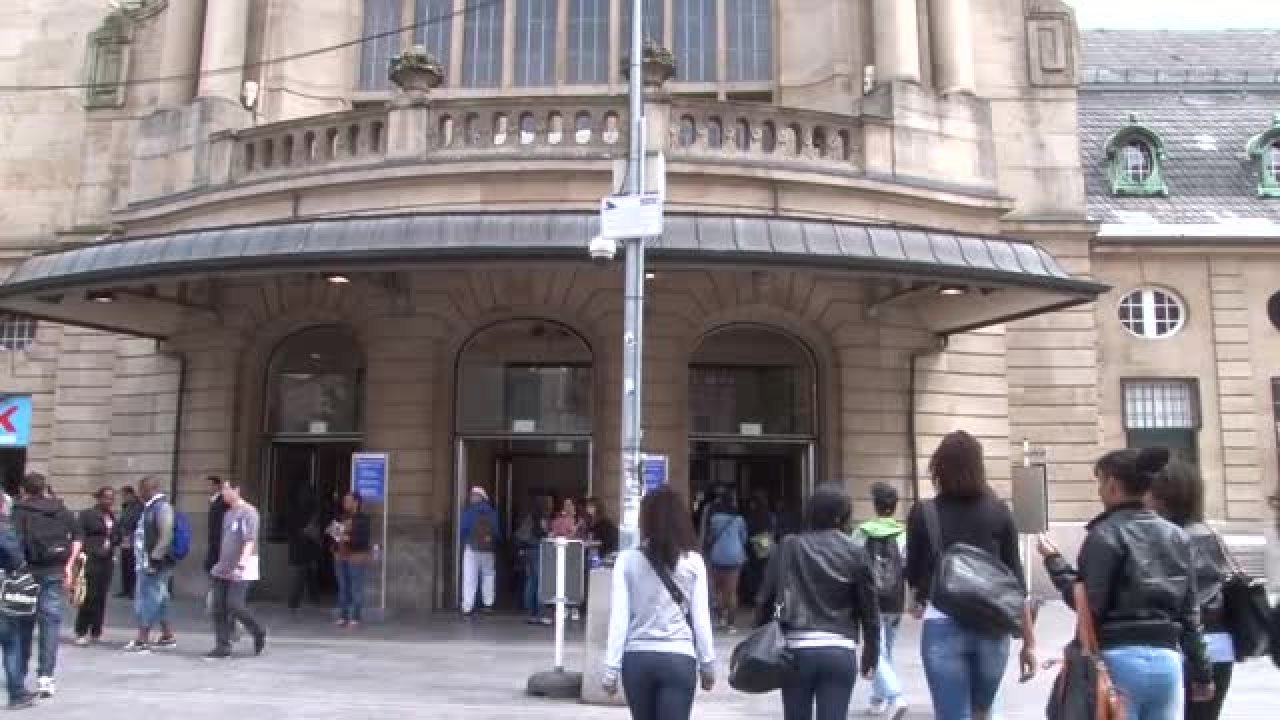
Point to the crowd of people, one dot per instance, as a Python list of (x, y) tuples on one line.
[(1152, 571)]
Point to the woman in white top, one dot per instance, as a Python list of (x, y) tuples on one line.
[(660, 624)]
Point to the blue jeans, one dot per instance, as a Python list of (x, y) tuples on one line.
[(963, 668), (11, 646), (351, 577), (822, 677), (659, 686), (151, 598), (48, 619), (531, 604), (1149, 679), (885, 686)]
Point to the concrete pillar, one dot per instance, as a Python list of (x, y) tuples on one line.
[(897, 40), (180, 52), (952, 34), (226, 38)]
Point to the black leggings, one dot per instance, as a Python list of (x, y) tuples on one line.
[(659, 686), (1221, 684)]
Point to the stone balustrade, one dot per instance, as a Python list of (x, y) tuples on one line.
[(305, 145), (534, 127), (768, 135)]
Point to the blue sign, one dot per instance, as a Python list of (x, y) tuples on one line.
[(15, 420), (653, 472), (369, 476)]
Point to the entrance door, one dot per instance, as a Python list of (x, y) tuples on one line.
[(514, 472), (305, 483), (777, 474)]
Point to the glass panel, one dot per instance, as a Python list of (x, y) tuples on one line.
[(588, 48), (750, 40), (17, 332), (1159, 404), (752, 377), (695, 40), (381, 18), (535, 43), (525, 376), (315, 384), (1137, 162), (434, 19), (1181, 443), (653, 26), (1273, 162), (482, 45)]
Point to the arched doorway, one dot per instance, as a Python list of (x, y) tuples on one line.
[(753, 419), (313, 420), (522, 422)]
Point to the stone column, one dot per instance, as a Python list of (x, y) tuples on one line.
[(897, 39), (952, 31), (180, 52), (226, 37)]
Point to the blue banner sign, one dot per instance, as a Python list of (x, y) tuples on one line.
[(15, 420), (369, 476), (653, 472)]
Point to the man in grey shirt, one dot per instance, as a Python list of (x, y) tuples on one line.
[(236, 569)]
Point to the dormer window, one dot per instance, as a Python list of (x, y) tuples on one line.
[(1264, 149), (1135, 155)]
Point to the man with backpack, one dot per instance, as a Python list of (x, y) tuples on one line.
[(884, 540), (51, 541), (481, 534), (162, 538)]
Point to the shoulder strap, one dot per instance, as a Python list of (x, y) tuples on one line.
[(664, 574), (933, 525), (1086, 633), (1226, 553)]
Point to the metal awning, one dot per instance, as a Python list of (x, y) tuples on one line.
[(349, 243)]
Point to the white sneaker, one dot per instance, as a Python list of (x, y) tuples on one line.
[(877, 708), (45, 687), (897, 710), (82, 641)]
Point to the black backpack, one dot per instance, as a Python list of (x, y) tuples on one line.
[(483, 536), (46, 538), (889, 570)]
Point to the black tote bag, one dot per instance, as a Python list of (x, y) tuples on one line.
[(1246, 610), (761, 663)]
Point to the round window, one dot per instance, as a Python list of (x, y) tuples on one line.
[(1151, 313)]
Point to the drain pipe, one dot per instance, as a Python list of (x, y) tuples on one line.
[(175, 468), (939, 345)]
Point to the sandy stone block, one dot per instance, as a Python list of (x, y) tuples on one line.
[(1240, 439), (1235, 369), (941, 403), (1029, 415), (1239, 421), (1053, 376), (1059, 358), (1240, 386)]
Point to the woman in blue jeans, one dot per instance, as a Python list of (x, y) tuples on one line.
[(963, 665), (351, 534), (660, 641), (1137, 571)]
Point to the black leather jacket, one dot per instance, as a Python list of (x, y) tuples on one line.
[(1212, 568), (1137, 570), (823, 582)]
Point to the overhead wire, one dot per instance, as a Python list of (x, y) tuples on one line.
[(245, 67)]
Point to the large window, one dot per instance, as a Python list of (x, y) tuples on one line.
[(751, 381), (381, 19), (434, 31), (1162, 413), (588, 50), (535, 42), (315, 382), (695, 40), (750, 40), (482, 45)]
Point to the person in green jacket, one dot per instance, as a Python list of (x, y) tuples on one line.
[(885, 541)]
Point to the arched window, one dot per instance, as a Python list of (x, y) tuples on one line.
[(751, 380), (381, 19), (1137, 161), (1272, 166), (535, 43), (314, 383), (1136, 158)]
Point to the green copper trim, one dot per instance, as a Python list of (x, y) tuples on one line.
[(1268, 182), (1121, 184)]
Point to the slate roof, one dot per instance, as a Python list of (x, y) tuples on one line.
[(1206, 94)]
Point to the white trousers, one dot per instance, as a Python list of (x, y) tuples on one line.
[(479, 571)]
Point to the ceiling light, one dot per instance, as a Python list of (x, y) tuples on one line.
[(952, 290), (338, 279), (100, 296)]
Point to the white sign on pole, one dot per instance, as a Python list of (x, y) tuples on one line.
[(631, 216)]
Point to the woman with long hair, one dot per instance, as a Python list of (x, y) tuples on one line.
[(1177, 494), (352, 549), (660, 639), (1137, 569), (830, 601), (963, 664)]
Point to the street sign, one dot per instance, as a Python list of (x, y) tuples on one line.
[(369, 476), (15, 420), (653, 472), (631, 216), (574, 568)]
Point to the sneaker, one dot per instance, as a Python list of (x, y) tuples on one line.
[(897, 709), (259, 643), (731, 630), (82, 641), (137, 647), (45, 687), (166, 643), (217, 655), (546, 621), (877, 707), (341, 623), (23, 701), (575, 615)]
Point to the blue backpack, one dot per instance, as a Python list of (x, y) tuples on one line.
[(181, 546)]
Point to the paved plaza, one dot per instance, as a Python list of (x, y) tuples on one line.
[(441, 668)]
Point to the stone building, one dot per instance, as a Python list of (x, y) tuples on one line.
[(237, 248)]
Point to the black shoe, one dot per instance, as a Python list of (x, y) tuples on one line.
[(486, 611), (23, 701), (217, 655), (259, 643)]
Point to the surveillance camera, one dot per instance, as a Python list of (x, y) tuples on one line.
[(602, 249)]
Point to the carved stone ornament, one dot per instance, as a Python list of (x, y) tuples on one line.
[(416, 71), (657, 65), (107, 61), (140, 9), (1053, 44)]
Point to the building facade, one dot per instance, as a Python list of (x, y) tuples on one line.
[(237, 248)]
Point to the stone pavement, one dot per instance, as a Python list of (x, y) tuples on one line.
[(442, 669)]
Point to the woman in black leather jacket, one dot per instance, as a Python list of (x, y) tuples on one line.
[(830, 599), (1178, 495), (1137, 571)]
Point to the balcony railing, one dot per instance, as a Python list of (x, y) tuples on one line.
[(299, 146), (766, 135), (536, 128)]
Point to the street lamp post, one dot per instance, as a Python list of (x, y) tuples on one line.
[(633, 309)]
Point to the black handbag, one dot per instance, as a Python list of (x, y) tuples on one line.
[(1083, 689), (972, 586), (762, 662), (1246, 610)]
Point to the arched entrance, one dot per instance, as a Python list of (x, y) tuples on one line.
[(753, 419), (523, 421), (313, 419)]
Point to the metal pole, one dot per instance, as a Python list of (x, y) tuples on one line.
[(561, 546), (633, 310)]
